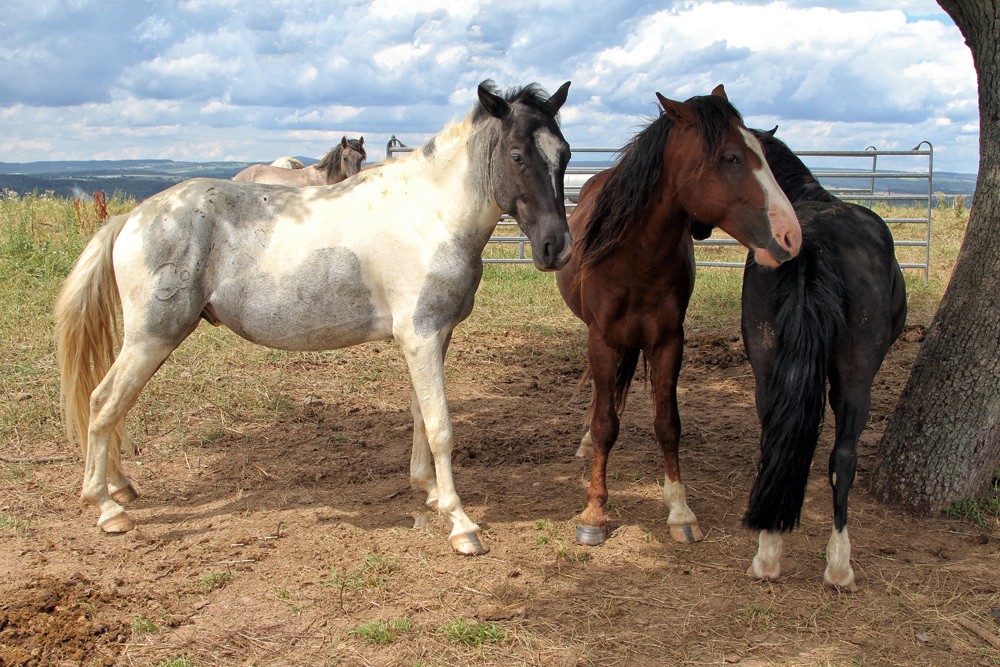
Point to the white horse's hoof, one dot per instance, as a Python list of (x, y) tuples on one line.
[(119, 523), (686, 533), (125, 495), (468, 544)]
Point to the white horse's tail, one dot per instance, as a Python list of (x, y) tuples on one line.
[(86, 329)]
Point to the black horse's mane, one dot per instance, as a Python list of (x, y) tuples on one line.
[(637, 169), (792, 174), (331, 161), (532, 94)]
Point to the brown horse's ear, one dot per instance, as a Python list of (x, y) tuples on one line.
[(495, 105), (719, 91), (361, 141), (771, 132), (343, 141), (699, 230), (559, 97), (679, 112)]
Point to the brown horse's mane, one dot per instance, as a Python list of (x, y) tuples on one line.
[(331, 161), (637, 170)]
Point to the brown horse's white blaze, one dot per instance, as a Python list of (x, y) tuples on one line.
[(785, 229)]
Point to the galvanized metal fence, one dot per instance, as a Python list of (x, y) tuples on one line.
[(855, 178)]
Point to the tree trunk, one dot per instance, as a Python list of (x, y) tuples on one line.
[(943, 441)]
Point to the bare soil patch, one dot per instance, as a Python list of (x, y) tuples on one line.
[(281, 542)]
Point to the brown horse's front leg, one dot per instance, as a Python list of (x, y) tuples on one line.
[(603, 432), (666, 364)]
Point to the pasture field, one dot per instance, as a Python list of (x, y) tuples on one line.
[(275, 517)]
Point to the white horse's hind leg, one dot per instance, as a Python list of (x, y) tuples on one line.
[(421, 470), (119, 486), (425, 359), (839, 573), (113, 397), (767, 563)]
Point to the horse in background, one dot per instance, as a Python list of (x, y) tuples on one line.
[(829, 315), (632, 270), (289, 163), (340, 163), (312, 269)]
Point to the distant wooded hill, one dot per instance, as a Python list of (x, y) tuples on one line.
[(142, 178)]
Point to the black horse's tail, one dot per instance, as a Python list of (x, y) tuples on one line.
[(810, 298)]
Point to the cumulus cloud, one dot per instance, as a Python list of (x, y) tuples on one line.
[(237, 79)]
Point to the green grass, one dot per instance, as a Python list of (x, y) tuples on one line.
[(475, 634), (182, 661), (143, 626), (383, 632), (984, 512), (215, 580)]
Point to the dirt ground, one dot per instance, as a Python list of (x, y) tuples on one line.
[(276, 543)]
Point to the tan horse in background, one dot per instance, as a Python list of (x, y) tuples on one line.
[(342, 162)]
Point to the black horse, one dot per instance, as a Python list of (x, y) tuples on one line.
[(830, 314)]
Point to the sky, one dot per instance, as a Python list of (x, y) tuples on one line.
[(205, 80)]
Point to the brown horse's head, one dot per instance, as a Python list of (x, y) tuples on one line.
[(722, 179)]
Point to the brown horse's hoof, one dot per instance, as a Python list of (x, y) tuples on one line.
[(120, 523), (468, 544), (686, 532), (125, 495), (592, 536)]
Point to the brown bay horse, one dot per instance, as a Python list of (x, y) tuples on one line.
[(632, 269), (342, 162)]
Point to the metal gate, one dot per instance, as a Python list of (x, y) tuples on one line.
[(854, 177)]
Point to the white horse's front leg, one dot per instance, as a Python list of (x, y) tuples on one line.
[(767, 563), (839, 573), (425, 359)]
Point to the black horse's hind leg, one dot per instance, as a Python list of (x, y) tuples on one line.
[(851, 406)]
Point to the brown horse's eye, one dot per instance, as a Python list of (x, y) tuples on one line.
[(730, 158)]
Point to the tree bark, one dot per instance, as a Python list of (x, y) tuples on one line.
[(943, 441)]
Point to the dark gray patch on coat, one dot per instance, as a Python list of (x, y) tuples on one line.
[(202, 230), (324, 304), (449, 292)]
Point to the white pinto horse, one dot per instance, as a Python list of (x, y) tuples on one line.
[(343, 161), (391, 254)]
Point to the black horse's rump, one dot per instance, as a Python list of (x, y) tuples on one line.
[(829, 315)]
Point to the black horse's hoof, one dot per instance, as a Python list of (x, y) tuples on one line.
[(592, 536)]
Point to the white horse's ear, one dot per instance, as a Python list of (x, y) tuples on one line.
[(679, 112), (559, 97), (495, 105), (361, 141), (343, 141), (719, 91)]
